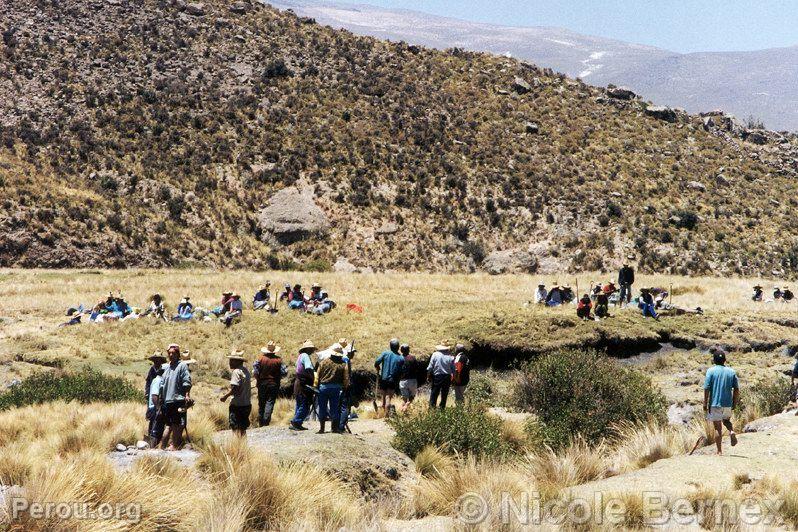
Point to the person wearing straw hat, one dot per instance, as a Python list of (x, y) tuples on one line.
[(305, 375), (315, 293), (241, 393), (268, 370), (175, 396), (757, 294), (440, 370), (158, 359), (262, 297), (234, 312), (185, 310), (541, 293), (332, 379)]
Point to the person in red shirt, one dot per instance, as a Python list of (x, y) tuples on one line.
[(462, 373), (584, 307)]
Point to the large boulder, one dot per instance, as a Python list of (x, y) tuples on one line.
[(661, 112), (510, 261), (521, 86), (621, 93), (291, 215), (342, 265), (196, 9)]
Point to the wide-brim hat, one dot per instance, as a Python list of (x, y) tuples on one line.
[(757, 287), (173, 346), (444, 346), (566, 287), (227, 293), (307, 347), (155, 357), (236, 355), (343, 341), (263, 287), (271, 349), (337, 348), (235, 296), (315, 285)]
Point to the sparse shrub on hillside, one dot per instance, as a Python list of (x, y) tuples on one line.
[(459, 430), (583, 393), (768, 397), (317, 265), (84, 386)]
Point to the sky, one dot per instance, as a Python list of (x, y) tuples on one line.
[(678, 25)]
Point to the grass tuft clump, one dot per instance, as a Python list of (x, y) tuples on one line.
[(461, 430)]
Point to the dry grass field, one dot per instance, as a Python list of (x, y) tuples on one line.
[(57, 452)]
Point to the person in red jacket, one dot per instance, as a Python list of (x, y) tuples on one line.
[(462, 373), (584, 307)]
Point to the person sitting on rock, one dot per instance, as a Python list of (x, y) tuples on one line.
[(554, 297), (297, 301), (646, 303), (583, 307), (236, 309), (602, 305), (262, 297), (757, 294), (541, 294)]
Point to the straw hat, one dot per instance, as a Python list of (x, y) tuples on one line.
[(235, 296), (337, 348), (172, 346), (236, 355), (443, 346), (271, 348), (307, 347), (263, 287), (343, 341), (757, 287), (157, 356), (227, 293), (185, 358), (315, 285)]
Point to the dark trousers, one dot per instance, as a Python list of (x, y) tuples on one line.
[(156, 426), (267, 396), (626, 293), (440, 386)]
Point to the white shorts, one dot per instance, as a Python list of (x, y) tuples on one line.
[(408, 388), (719, 413)]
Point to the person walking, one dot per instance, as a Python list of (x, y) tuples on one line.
[(268, 370), (462, 373), (241, 393), (721, 395), (332, 379), (626, 278), (440, 370), (408, 380), (304, 378), (389, 367), (175, 394)]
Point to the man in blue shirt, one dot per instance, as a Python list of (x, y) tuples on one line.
[(721, 395), (389, 365)]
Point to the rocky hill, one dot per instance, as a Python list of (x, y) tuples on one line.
[(228, 133)]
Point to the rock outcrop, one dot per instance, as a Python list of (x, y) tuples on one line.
[(291, 215), (510, 261)]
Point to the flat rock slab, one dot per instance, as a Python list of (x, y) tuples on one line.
[(770, 452), (123, 461)]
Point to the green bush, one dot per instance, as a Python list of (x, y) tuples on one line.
[(317, 265), (85, 386), (459, 430), (584, 393), (770, 396), (482, 389)]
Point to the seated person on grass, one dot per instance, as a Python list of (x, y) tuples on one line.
[(261, 299), (236, 309), (541, 294), (224, 307), (297, 300), (757, 294), (185, 310), (646, 303), (567, 294), (554, 298), (602, 305)]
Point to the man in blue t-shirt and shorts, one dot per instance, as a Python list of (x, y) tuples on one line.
[(721, 395)]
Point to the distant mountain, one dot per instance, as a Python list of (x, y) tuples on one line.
[(759, 84)]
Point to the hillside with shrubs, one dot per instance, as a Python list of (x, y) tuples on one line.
[(161, 133)]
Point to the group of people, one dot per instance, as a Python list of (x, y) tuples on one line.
[(783, 294), (321, 387), (229, 311)]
